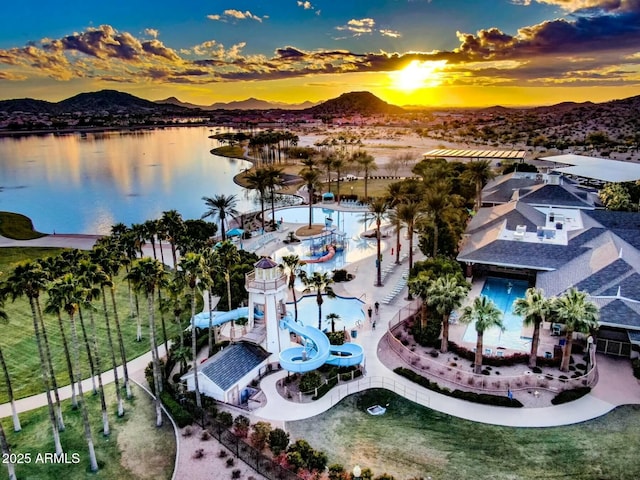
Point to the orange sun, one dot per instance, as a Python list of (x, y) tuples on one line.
[(418, 74)]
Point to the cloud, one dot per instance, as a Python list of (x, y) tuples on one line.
[(152, 32), (306, 5), (358, 26), (232, 14), (390, 33), (611, 6)]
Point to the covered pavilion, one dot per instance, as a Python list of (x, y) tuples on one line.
[(451, 153), (603, 169)]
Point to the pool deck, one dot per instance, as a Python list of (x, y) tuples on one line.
[(617, 386)]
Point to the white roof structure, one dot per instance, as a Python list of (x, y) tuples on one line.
[(482, 154), (597, 168)]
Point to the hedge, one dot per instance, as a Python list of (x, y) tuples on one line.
[(483, 398), (567, 396), (179, 414)]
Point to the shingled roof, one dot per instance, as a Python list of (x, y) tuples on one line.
[(229, 365)]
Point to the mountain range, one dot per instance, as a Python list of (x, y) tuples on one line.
[(248, 104)]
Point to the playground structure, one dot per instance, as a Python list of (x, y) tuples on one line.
[(324, 246), (272, 327)]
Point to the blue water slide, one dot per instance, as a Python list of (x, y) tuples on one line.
[(201, 320), (316, 350)]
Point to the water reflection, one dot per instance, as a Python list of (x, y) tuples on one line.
[(84, 183)]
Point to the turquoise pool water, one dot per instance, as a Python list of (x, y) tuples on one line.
[(351, 224), (503, 292), (350, 309)]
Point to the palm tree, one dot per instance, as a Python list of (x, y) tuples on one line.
[(479, 173), (6, 453), (147, 275), (577, 314), (207, 281), (174, 228), (110, 261), (192, 269), (221, 207), (533, 308), (310, 176), (379, 210), (445, 294), (68, 294), (418, 285), (320, 282), (292, 264), (440, 205), (332, 317), (410, 214), (228, 256), (7, 378), (368, 164), (28, 279), (273, 179), (257, 180), (338, 165), (486, 315)]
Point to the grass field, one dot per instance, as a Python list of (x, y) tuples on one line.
[(411, 440), (17, 227), (20, 350), (136, 449)]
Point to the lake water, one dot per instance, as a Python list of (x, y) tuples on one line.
[(85, 183)]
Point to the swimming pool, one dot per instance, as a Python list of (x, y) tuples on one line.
[(350, 310), (351, 223), (503, 292)]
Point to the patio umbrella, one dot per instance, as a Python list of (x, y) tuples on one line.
[(235, 232)]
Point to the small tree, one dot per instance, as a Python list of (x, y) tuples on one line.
[(241, 426), (278, 440), (260, 434)]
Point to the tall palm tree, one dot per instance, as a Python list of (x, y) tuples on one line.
[(28, 279), (207, 282), (151, 230), (91, 278), (379, 210), (368, 165), (273, 179), (332, 317), (6, 453), (110, 260), (68, 294), (5, 371), (418, 285), (192, 268), (338, 165), (257, 180), (440, 205), (445, 294), (147, 275), (174, 228), (410, 213), (311, 177), (221, 207), (292, 264), (228, 256), (320, 282), (486, 315), (533, 308), (479, 173), (577, 314)]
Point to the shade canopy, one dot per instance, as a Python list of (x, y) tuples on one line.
[(235, 232), (603, 169)]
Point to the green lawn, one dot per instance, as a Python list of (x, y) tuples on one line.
[(136, 449), (17, 227), (20, 350), (410, 440)]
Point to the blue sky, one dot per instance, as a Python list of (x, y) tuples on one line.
[(454, 51)]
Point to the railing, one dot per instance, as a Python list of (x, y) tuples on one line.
[(251, 282), (470, 381)]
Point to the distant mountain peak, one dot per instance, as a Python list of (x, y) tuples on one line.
[(355, 103)]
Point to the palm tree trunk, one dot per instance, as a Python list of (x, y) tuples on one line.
[(311, 195), (93, 462), (478, 358), (319, 301), (398, 246), (96, 355), (227, 278), (67, 357), (435, 238), (45, 381), (379, 255), (114, 364), (535, 341), (163, 325), (155, 360), (566, 353), (210, 333), (194, 348), (123, 354), (92, 369), (6, 452), (295, 301), (7, 380), (444, 344), (423, 315)]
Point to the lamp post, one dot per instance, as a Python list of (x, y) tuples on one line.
[(589, 348), (357, 473)]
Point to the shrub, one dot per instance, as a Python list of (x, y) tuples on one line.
[(340, 275), (236, 473), (325, 388), (205, 436), (570, 395), (226, 419), (230, 462), (241, 426), (310, 381), (199, 453), (260, 434), (278, 440), (179, 414), (222, 453)]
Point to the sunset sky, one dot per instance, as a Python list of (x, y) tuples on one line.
[(407, 52)]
